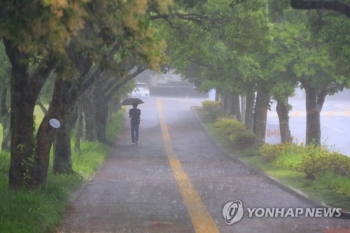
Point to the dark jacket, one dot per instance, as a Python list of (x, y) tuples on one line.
[(134, 115)]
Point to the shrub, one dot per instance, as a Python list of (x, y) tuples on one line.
[(269, 152), (290, 156), (286, 155), (229, 125), (318, 161), (243, 139), (211, 110), (289, 161), (339, 164), (331, 181), (236, 131), (250, 152)]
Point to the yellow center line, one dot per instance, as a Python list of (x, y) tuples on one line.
[(201, 219), (330, 113), (344, 108), (347, 110), (297, 113)]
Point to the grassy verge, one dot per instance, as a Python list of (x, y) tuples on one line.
[(325, 189), (117, 125), (41, 210)]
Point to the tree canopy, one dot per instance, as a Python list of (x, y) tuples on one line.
[(238, 47)]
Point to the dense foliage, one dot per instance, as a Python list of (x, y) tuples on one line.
[(73, 57)]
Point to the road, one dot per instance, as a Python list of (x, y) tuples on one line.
[(335, 121), (177, 180)]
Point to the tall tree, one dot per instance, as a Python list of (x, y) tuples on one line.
[(47, 34), (221, 43), (135, 40), (5, 73), (32, 32), (303, 59)]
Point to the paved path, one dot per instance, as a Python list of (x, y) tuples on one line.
[(176, 180)]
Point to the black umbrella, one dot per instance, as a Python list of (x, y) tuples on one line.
[(131, 101)]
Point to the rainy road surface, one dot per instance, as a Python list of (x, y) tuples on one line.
[(177, 180)]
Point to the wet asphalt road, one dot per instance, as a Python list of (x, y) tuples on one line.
[(176, 180)]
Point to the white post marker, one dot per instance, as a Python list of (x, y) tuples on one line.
[(54, 123)]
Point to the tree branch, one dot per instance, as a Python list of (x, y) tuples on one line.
[(191, 17), (202, 64), (116, 86), (159, 16), (90, 80), (321, 96), (85, 83), (40, 75), (321, 4), (198, 18), (41, 105)]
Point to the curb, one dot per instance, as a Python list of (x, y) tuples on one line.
[(293, 191), (75, 194)]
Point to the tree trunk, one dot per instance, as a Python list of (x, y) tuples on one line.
[(26, 167), (228, 104), (62, 141), (63, 101), (90, 133), (217, 96), (23, 163), (60, 104), (110, 112), (79, 129), (283, 117), (235, 106), (62, 150), (250, 97), (262, 101), (5, 121), (114, 106), (64, 97), (101, 116), (223, 102), (314, 104)]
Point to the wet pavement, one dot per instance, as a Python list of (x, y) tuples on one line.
[(177, 180)]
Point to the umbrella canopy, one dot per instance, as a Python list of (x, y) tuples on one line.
[(131, 101)]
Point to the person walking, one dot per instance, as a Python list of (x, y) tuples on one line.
[(134, 115)]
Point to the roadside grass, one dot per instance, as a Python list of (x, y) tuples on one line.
[(38, 210), (117, 119), (291, 161), (318, 190), (328, 188), (42, 210), (86, 164)]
